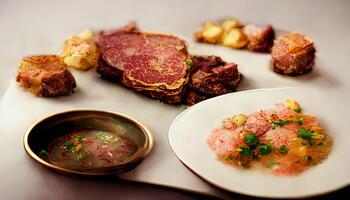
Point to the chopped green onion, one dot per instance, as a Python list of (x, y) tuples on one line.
[(230, 157), (251, 140), (68, 147), (265, 149), (284, 122), (300, 121), (308, 158), (283, 149), (246, 152), (78, 138), (103, 137), (189, 62), (298, 110), (272, 165), (309, 135), (305, 134)]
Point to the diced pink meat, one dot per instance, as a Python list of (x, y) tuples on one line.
[(279, 136), (221, 141), (257, 123)]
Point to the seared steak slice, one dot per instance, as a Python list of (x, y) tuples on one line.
[(153, 64), (293, 54), (109, 72), (260, 39), (194, 97), (211, 76), (45, 75)]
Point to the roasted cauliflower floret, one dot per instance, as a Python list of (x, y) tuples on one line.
[(81, 51)]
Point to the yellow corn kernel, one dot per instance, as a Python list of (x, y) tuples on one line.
[(293, 105), (317, 129), (239, 119)]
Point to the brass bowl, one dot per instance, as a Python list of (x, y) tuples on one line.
[(39, 135)]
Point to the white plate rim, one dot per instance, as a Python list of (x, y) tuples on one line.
[(187, 165)]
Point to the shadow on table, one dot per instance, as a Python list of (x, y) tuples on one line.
[(192, 195)]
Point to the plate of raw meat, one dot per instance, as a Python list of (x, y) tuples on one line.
[(274, 143)]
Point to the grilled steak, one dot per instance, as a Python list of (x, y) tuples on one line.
[(260, 39), (211, 76), (45, 75), (194, 97), (109, 72), (152, 64), (293, 54)]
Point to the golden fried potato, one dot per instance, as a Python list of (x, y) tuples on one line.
[(45, 75), (230, 24), (81, 51), (212, 32), (234, 39)]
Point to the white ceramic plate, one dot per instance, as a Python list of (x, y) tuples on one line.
[(189, 132)]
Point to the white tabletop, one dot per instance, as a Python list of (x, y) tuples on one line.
[(28, 28)]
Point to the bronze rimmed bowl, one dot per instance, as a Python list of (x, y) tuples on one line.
[(41, 134)]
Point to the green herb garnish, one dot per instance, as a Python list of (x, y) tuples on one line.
[(284, 122), (230, 157), (272, 165), (305, 134), (189, 62), (246, 152), (298, 110), (73, 145), (68, 147), (308, 135), (251, 140), (78, 138), (265, 149), (283, 149), (308, 158), (103, 137), (300, 121), (281, 123)]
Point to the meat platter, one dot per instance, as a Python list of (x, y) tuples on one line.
[(94, 92)]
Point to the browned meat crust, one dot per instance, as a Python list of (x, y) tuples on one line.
[(261, 41), (194, 97), (58, 85), (211, 76), (293, 54), (109, 72), (152, 64), (174, 96), (46, 76)]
